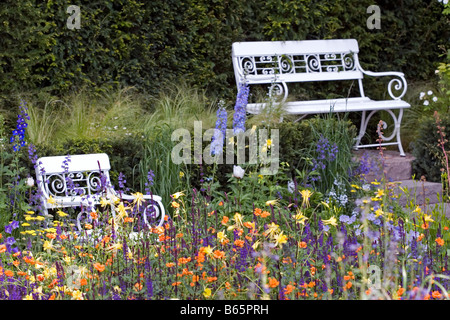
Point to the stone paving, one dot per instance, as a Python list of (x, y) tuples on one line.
[(399, 169)]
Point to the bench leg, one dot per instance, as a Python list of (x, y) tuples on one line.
[(396, 133), (362, 131)]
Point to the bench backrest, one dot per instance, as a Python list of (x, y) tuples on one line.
[(89, 173), (261, 62)]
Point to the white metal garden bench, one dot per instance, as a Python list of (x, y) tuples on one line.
[(281, 62), (82, 183)]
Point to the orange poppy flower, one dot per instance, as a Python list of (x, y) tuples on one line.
[(302, 244), (400, 292), (440, 241), (273, 282), (225, 220), (9, 273), (239, 243), (51, 235), (265, 214), (94, 215), (436, 294), (219, 254), (2, 248), (138, 286), (288, 290), (99, 267)]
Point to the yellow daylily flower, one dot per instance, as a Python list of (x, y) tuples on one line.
[(306, 194), (238, 219), (51, 200), (299, 217), (138, 199), (427, 218), (332, 221), (271, 202), (208, 250), (178, 194), (280, 239), (272, 230), (221, 236), (104, 202)]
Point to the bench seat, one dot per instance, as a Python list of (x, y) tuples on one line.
[(338, 105)]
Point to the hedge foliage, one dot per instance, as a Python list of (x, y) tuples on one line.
[(148, 43)]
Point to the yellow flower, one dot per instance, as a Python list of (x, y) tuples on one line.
[(208, 250), (272, 229), (271, 202), (221, 236), (207, 292), (138, 198), (299, 217), (417, 210), (427, 218), (269, 143), (48, 245), (178, 194), (61, 213), (122, 210), (77, 295), (379, 193), (256, 245), (181, 174), (332, 221), (238, 219), (51, 200), (115, 247), (103, 202), (30, 212), (280, 239), (25, 224), (379, 212), (306, 194)]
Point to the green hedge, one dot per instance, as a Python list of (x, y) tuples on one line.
[(149, 43)]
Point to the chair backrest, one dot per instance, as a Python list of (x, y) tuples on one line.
[(295, 61), (57, 176)]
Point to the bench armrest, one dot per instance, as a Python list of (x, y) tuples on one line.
[(398, 84)]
